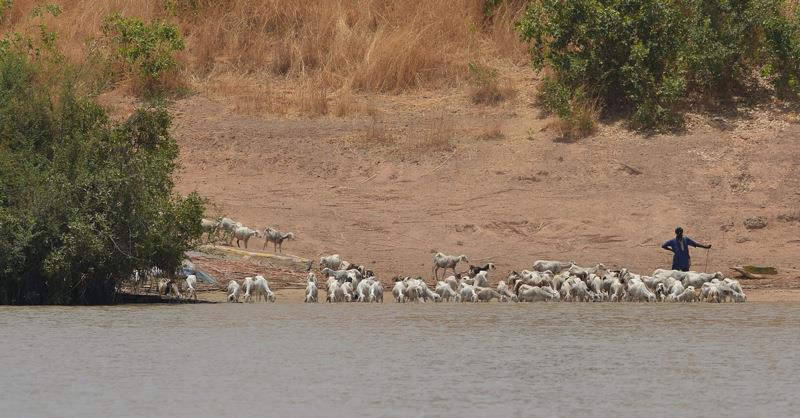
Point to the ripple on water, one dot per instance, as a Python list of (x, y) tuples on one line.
[(401, 360)]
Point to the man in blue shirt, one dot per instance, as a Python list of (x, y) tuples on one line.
[(680, 247)]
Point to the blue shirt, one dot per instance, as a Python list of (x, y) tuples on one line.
[(681, 260)]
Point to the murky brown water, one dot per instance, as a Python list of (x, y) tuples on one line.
[(401, 360)]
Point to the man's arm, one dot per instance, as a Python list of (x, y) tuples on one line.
[(668, 246), (691, 242)]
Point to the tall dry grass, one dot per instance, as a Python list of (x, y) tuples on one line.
[(373, 46), (438, 134)]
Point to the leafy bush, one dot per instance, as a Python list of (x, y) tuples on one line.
[(782, 35), (83, 201), (5, 5), (652, 57), (577, 113), (146, 49)]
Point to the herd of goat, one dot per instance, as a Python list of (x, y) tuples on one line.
[(228, 230), (545, 281)]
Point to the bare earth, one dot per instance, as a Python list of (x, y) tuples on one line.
[(509, 198)]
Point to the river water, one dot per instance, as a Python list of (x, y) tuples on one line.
[(540, 359)]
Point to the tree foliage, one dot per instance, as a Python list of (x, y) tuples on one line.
[(652, 57), (83, 201), (145, 49)]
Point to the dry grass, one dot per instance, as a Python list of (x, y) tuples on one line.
[(248, 96), (487, 88), (314, 101), (437, 136), (369, 45), (344, 103), (376, 133), (491, 93), (492, 133), (582, 121)]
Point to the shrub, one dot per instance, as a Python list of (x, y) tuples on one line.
[(782, 51), (652, 57), (577, 113), (486, 86), (145, 49), (83, 201), (5, 5)]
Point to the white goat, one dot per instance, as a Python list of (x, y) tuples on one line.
[(528, 293), (554, 267), (688, 295), (364, 290), (335, 292), (481, 279), (210, 227), (734, 284), (276, 238), (234, 290), (442, 261), (244, 233), (311, 289), (638, 292), (452, 282), (617, 290), (377, 292), (228, 226), (580, 292), (262, 289), (486, 294), (347, 290), (167, 287), (502, 288), (446, 292), (713, 294), (594, 283), (399, 291), (566, 291), (332, 262), (247, 285), (191, 286), (696, 279), (467, 293)]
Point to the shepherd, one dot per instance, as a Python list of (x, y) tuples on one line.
[(680, 248)]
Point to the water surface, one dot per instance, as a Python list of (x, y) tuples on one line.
[(541, 359)]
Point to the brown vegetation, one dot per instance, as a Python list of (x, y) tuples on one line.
[(582, 122), (438, 135), (309, 48), (396, 74)]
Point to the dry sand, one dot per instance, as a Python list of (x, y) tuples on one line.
[(613, 198), (430, 171)]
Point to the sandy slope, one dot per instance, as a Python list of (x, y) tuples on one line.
[(510, 200)]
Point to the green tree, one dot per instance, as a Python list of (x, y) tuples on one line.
[(654, 57), (83, 201), (145, 49)]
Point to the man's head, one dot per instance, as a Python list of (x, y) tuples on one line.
[(678, 232)]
